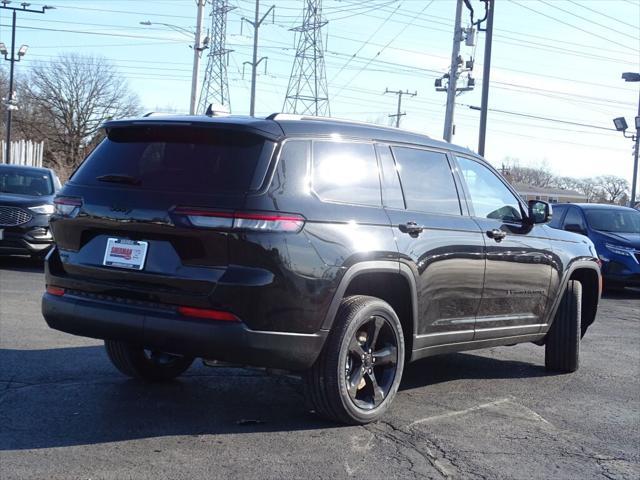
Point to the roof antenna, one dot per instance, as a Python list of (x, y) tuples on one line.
[(209, 112)]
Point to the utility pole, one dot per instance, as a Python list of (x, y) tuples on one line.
[(486, 71), (215, 88), (634, 179), (453, 74), (10, 101), (197, 53), (255, 62), (308, 92), (399, 93)]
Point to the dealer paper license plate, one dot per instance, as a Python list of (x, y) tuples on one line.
[(124, 253)]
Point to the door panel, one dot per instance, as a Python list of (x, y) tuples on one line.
[(518, 257), (445, 251)]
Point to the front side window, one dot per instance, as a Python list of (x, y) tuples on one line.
[(346, 172), (490, 197), (427, 181)]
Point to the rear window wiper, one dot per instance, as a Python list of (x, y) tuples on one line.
[(119, 178)]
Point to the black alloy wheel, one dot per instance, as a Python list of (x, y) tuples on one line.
[(371, 362), (357, 375)]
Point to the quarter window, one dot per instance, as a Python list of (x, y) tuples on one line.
[(346, 172), (427, 181), (489, 195)]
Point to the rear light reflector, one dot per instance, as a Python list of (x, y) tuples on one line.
[(53, 290), (253, 221), (208, 314), (67, 206)]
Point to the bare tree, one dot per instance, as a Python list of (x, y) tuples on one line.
[(614, 188), (538, 176), (69, 98), (589, 187)]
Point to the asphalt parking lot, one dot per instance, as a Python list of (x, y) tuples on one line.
[(65, 412)]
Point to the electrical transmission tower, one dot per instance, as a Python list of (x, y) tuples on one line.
[(308, 92), (215, 88)]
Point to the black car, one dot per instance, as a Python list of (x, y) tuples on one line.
[(338, 250), (26, 203), (615, 232)]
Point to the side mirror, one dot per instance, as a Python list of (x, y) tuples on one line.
[(575, 228), (539, 212)]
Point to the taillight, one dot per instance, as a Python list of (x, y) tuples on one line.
[(255, 221), (53, 290), (208, 314), (67, 206)]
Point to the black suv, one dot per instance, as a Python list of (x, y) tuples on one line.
[(335, 249), (26, 203)]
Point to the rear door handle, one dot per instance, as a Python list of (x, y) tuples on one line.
[(496, 234), (412, 228)]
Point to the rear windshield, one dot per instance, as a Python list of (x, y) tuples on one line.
[(614, 220), (186, 159), (25, 182)]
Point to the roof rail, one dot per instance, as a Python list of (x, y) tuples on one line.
[(159, 114), (292, 116)]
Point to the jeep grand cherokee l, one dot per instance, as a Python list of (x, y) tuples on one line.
[(338, 250)]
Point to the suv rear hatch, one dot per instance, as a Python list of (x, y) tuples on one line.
[(123, 226)]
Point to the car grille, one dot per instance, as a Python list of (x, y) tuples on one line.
[(12, 216)]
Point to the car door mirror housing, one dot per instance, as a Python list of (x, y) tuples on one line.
[(539, 212)]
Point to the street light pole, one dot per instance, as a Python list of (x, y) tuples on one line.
[(10, 100), (621, 125), (197, 52), (635, 159)]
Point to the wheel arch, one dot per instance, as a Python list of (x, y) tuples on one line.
[(590, 280), (390, 281), (588, 274)]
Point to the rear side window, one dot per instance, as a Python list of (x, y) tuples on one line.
[(574, 217), (186, 159), (427, 181), (346, 172)]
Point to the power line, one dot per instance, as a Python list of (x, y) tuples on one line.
[(569, 24), (584, 18), (537, 117), (604, 14)]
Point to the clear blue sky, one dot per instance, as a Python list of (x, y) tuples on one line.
[(552, 58)]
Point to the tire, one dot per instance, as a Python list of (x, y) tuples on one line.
[(134, 361), (365, 349), (562, 347)]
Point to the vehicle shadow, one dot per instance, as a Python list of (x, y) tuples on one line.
[(73, 396), (458, 366), (21, 264)]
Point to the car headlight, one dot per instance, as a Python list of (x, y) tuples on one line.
[(42, 209), (620, 250)]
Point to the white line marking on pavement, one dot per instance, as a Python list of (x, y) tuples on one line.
[(460, 412)]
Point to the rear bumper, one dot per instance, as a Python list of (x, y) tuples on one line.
[(165, 330)]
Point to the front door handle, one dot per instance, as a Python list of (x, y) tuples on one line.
[(496, 234), (412, 228)]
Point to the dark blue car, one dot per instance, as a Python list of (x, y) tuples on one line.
[(26, 203), (614, 230)]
